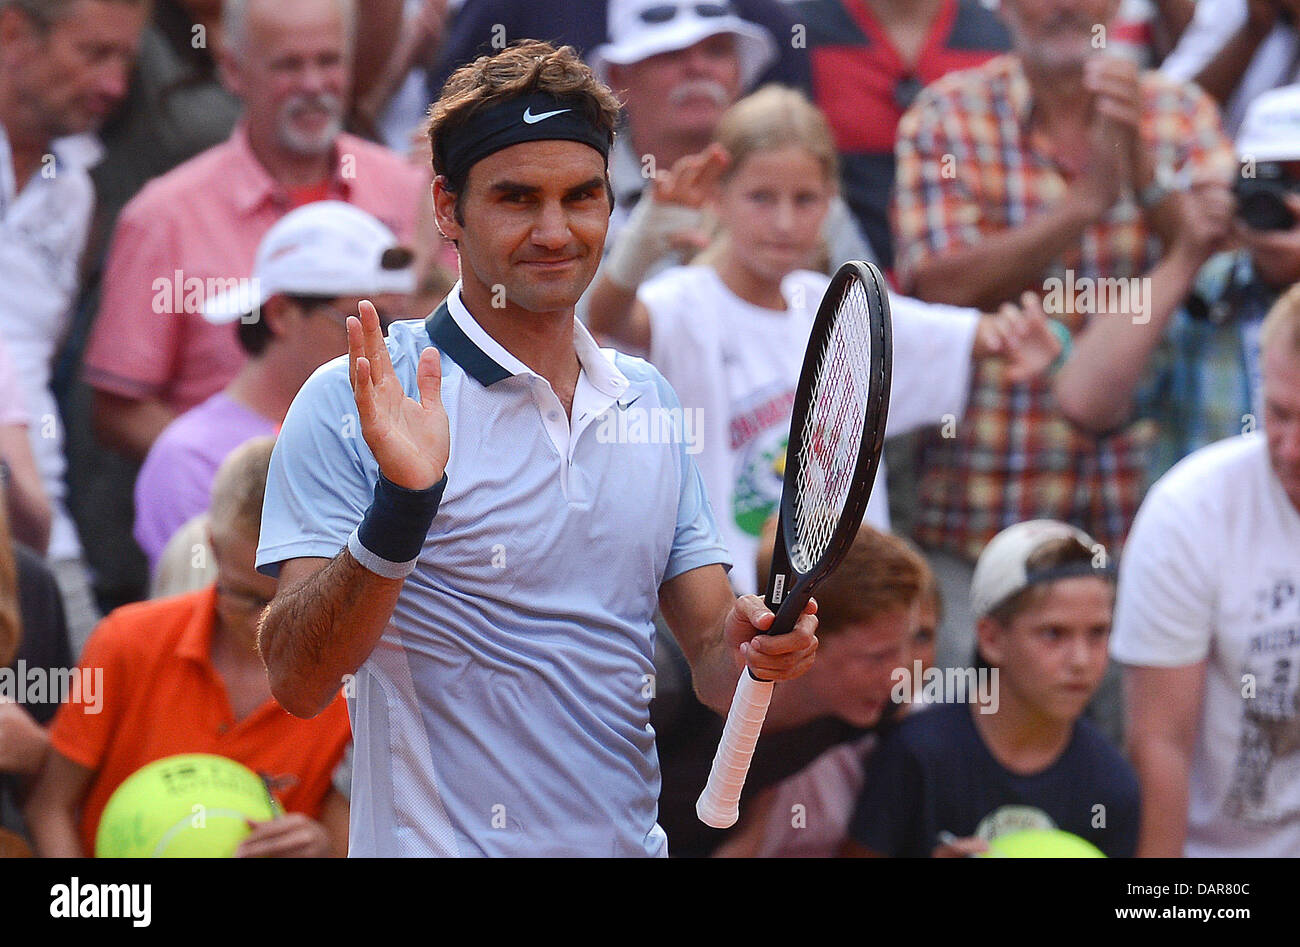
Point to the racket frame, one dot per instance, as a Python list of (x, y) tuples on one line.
[(788, 589)]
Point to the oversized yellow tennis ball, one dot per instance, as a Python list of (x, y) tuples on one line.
[(189, 806), (1042, 843)]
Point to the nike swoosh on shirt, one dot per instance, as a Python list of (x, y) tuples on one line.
[(531, 119)]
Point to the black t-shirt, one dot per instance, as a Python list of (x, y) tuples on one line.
[(44, 645), (934, 774), (687, 735)]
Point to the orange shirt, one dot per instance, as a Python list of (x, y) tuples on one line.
[(160, 695)]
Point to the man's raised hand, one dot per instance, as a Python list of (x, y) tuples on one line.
[(410, 439)]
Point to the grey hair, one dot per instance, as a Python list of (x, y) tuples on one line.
[(49, 12), (234, 22)]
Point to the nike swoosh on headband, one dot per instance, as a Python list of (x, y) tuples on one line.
[(531, 119)]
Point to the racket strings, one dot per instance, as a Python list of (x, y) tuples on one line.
[(832, 430)]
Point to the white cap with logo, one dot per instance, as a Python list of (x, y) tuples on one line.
[(326, 249), (1002, 569), (1271, 128), (639, 29)]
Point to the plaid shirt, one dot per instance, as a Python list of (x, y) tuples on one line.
[(1204, 382), (969, 165)]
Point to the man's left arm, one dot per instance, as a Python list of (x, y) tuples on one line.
[(721, 634)]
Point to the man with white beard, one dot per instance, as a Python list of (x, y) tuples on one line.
[(194, 232)]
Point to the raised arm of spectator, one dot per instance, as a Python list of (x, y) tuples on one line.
[(417, 42), (1171, 19), (1221, 75), (377, 38), (668, 219), (1096, 385), (934, 207)]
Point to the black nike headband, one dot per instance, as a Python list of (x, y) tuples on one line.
[(538, 116)]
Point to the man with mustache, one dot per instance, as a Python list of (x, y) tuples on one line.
[(678, 66), (152, 355)]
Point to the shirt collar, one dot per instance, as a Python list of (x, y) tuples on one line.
[(82, 151), (75, 151), (251, 185), (455, 331), (195, 642)]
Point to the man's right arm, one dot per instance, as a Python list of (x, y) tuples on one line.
[(1223, 73), (1163, 709), (326, 618), (995, 270), (1095, 387), (137, 332), (328, 614), (53, 806)]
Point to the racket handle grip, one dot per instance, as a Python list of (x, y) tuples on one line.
[(719, 804)]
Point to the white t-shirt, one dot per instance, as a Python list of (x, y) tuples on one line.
[(735, 365), (1211, 571), (44, 222), (1213, 24)]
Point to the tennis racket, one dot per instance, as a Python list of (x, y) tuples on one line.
[(837, 431)]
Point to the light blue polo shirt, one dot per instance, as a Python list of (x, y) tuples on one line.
[(506, 708)]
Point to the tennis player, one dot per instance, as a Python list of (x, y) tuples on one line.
[(461, 550)]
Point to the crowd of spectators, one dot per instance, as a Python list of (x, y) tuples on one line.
[(1089, 214)]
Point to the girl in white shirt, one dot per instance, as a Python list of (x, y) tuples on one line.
[(729, 331)]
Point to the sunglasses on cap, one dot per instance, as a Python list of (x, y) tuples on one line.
[(668, 11)]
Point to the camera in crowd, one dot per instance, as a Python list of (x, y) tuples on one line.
[(1261, 202)]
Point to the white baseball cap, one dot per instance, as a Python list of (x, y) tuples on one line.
[(326, 249), (1271, 128), (639, 29), (1002, 569)]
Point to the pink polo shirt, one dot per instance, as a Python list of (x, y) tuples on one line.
[(188, 233)]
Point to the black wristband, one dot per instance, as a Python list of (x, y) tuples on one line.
[(396, 524)]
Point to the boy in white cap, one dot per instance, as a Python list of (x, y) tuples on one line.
[(956, 775), (312, 269)]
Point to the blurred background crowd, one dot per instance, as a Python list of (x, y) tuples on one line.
[(1089, 212)]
